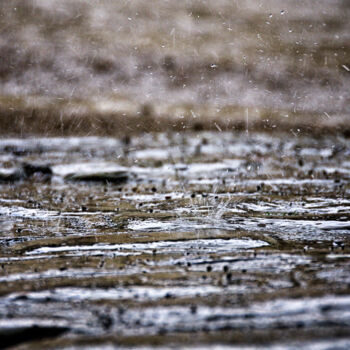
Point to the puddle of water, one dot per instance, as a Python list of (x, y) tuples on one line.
[(305, 229), (341, 344), (209, 245), (137, 292), (25, 213)]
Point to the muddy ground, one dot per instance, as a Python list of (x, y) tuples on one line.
[(174, 174), (199, 239)]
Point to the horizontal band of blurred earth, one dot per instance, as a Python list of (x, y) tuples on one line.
[(109, 67)]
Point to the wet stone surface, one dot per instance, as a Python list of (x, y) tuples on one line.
[(212, 238)]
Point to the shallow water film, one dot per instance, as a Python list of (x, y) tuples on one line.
[(175, 174), (175, 239)]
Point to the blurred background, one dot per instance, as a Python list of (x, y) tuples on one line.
[(95, 67)]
